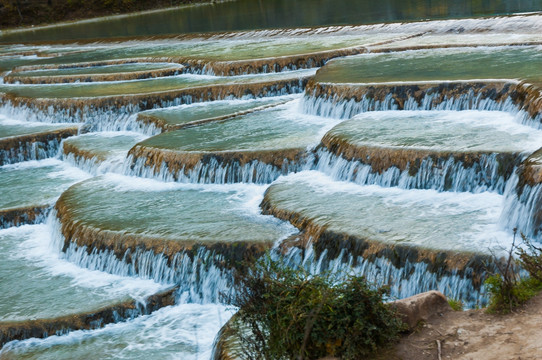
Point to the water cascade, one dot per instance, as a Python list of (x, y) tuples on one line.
[(100, 103), (23, 140), (77, 299), (100, 152), (445, 150), (138, 175), (149, 245), (23, 204), (274, 142)]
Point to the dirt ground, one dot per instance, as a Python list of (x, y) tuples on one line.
[(475, 335)]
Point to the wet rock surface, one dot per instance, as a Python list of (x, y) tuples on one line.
[(212, 128), (43, 328)]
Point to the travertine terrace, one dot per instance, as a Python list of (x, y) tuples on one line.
[(140, 171)]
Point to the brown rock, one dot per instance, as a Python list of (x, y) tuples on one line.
[(421, 307)]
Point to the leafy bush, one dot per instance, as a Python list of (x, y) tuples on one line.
[(456, 305), (531, 259), (507, 289), (289, 314), (505, 298)]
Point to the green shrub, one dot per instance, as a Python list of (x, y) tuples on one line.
[(456, 305), (506, 288), (531, 258), (288, 314), (506, 298)]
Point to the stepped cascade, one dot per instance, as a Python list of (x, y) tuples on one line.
[(141, 170), (100, 152)]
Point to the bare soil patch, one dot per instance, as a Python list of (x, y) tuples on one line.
[(475, 335)]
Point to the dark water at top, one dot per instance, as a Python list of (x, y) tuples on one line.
[(263, 14)]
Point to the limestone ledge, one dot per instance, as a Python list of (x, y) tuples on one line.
[(19, 148), (231, 254), (158, 122), (69, 148), (441, 262), (23, 215), (75, 109), (175, 161), (221, 67), (15, 77), (524, 96), (528, 195), (42, 328), (530, 171), (392, 48), (381, 158)]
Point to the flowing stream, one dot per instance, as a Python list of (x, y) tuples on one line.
[(139, 174)]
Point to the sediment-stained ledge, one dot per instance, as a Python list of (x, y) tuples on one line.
[(331, 231), (523, 205), (18, 77), (530, 171), (322, 239), (69, 148), (33, 146), (42, 328), (380, 159), (226, 345), (458, 95), (83, 224), (23, 215), (221, 67), (271, 64), (386, 48), (76, 109), (160, 123), (176, 162), (230, 254)]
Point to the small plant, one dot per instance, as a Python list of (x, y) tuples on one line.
[(456, 305), (531, 258), (289, 314), (507, 288)]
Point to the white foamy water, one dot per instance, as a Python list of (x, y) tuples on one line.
[(37, 283), (7, 120), (425, 218), (244, 197), (40, 248), (102, 152), (184, 332), (468, 130)]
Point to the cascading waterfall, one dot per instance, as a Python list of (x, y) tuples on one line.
[(408, 280), (198, 277), (203, 276), (344, 109), (337, 108), (522, 210), (121, 122), (36, 150), (95, 166), (521, 204), (213, 172), (442, 175)]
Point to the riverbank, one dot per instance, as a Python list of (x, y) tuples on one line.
[(474, 334), (14, 13)]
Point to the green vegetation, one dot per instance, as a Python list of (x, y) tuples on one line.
[(35, 12), (507, 288), (289, 314), (456, 305)]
